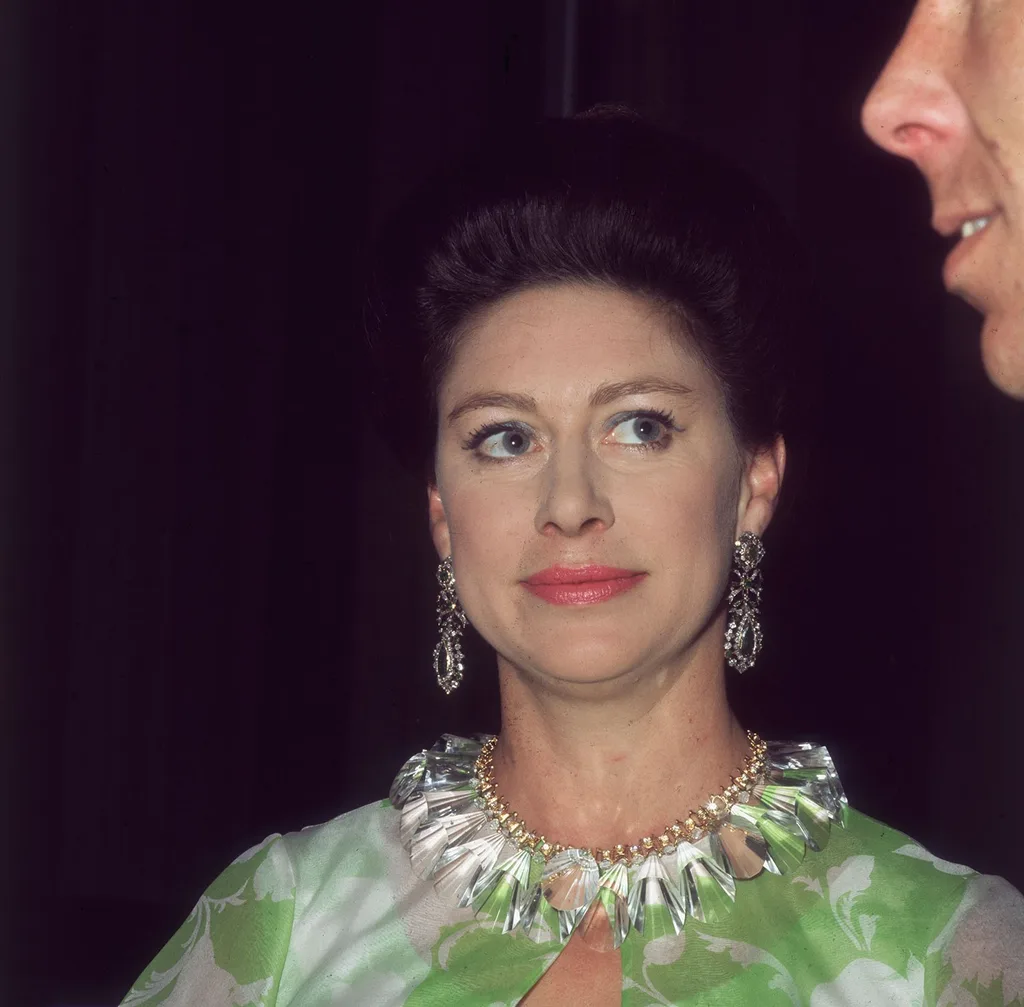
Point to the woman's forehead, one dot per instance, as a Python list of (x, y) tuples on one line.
[(584, 335)]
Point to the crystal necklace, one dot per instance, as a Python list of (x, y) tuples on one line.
[(776, 812), (692, 828)]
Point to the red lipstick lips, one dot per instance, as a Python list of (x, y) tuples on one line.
[(581, 585)]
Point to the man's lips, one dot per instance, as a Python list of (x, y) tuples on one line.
[(950, 221), (960, 270), (581, 585)]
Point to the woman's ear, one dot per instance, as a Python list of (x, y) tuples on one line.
[(438, 522), (762, 483)]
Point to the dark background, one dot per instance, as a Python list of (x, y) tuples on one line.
[(220, 587)]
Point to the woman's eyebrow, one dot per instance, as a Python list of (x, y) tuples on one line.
[(609, 392), (486, 400), (602, 396)]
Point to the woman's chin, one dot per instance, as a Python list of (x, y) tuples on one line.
[(601, 651), (578, 681), (588, 666)]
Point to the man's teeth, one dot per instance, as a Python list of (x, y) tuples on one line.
[(973, 226)]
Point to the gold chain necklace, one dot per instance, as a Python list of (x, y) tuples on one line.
[(690, 829)]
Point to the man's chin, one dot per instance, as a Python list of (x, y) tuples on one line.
[(1002, 350)]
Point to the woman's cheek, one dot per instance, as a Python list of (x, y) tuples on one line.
[(488, 541)]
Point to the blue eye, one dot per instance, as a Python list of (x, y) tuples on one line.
[(503, 443), (643, 430)]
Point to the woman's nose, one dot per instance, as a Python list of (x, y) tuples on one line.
[(572, 501), (914, 110)]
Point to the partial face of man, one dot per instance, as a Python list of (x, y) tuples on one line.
[(951, 99)]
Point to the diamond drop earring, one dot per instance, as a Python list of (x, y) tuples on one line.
[(743, 636), (451, 620)]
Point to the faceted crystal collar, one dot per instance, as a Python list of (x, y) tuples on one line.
[(454, 841), (699, 821)]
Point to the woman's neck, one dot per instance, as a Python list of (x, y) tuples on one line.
[(597, 765)]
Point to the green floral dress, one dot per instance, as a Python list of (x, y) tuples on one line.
[(421, 901)]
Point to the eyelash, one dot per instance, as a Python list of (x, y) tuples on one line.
[(478, 436), (666, 419)]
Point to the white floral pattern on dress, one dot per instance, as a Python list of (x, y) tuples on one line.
[(920, 853), (866, 982), (664, 950), (986, 948), (811, 884), (198, 969), (748, 955), (846, 883)]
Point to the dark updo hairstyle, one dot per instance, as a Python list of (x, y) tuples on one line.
[(600, 198)]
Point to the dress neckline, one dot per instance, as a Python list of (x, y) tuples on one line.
[(454, 842)]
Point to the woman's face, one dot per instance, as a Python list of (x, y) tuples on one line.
[(590, 486)]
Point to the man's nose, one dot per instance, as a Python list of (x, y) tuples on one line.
[(914, 110)]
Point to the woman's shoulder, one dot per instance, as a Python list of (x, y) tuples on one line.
[(978, 918), (359, 843), (250, 920), (905, 864), (893, 849), (358, 826)]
